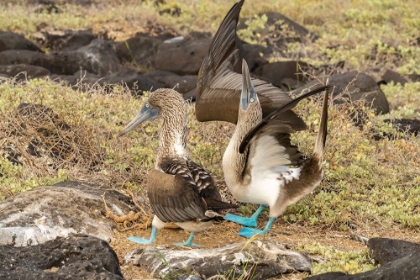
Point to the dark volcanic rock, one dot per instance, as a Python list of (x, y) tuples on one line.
[(76, 81), (414, 77), (255, 55), (392, 76), (183, 57), (262, 259), (98, 57), (182, 84), (44, 213), (406, 268), (385, 250), (141, 49), (406, 125), (13, 41), (24, 71), (75, 257), (133, 80), (69, 40), (280, 72), (355, 86), (28, 57), (277, 34)]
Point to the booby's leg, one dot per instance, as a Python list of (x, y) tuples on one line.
[(250, 232), (142, 240), (249, 222), (188, 243)]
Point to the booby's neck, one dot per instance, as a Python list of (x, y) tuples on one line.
[(173, 134), (235, 163)]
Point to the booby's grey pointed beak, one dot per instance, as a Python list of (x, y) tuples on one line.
[(248, 94), (146, 113)]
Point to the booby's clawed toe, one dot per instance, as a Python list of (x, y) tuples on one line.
[(249, 222), (141, 240), (250, 232)]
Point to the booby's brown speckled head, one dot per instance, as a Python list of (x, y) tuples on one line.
[(166, 103)]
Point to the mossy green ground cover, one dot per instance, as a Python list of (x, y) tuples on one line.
[(372, 184)]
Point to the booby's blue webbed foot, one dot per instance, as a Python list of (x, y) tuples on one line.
[(188, 243), (144, 241), (249, 222), (245, 221), (250, 232)]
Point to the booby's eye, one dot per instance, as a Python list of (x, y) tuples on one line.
[(252, 100), (147, 105)]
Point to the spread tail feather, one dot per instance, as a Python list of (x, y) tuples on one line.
[(322, 133)]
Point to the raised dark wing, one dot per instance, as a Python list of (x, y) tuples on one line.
[(282, 115), (219, 88), (173, 198)]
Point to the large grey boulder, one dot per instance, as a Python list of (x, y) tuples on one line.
[(261, 259), (44, 213)]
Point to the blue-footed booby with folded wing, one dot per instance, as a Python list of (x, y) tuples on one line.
[(261, 165), (179, 190)]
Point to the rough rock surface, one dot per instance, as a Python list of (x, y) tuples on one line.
[(44, 213), (262, 259), (182, 84), (384, 250), (98, 57), (406, 268), (393, 76), (183, 57), (141, 49), (9, 57), (133, 80), (356, 86), (13, 41), (75, 257), (23, 71), (403, 125)]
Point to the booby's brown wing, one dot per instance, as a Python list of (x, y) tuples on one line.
[(193, 174), (203, 181), (219, 88), (199, 179), (173, 198)]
